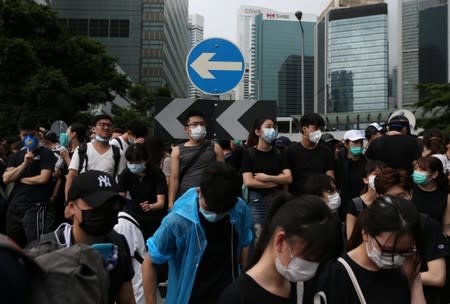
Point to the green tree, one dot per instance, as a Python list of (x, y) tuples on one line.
[(46, 73), (437, 102)]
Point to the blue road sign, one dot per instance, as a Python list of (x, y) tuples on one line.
[(215, 66)]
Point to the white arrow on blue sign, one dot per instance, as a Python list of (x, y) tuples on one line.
[(215, 66)]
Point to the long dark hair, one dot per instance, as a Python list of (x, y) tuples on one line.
[(316, 184), (306, 217), (434, 140), (252, 139), (433, 164), (80, 130), (388, 214)]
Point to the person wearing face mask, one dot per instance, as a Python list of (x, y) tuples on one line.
[(189, 159), (98, 154), (382, 257), (135, 133), (324, 186), (350, 167), (30, 169), (146, 185), (431, 191), (93, 204), (435, 252), (309, 156), (264, 170), (356, 205), (299, 233), (204, 238)]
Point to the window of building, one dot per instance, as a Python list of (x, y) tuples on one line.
[(98, 27), (119, 28)]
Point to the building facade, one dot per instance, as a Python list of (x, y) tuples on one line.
[(149, 38), (196, 30), (424, 51), (276, 66), (352, 58)]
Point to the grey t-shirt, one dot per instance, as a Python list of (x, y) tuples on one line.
[(192, 177)]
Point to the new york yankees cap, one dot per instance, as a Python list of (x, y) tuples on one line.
[(95, 187)]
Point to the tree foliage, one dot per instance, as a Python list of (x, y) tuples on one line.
[(437, 102), (47, 74)]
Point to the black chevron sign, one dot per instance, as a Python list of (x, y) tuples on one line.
[(226, 119)]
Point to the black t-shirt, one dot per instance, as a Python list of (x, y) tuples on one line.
[(22, 193), (432, 203), (349, 177), (383, 286), (396, 151), (123, 272), (216, 268), (304, 163), (247, 291), (269, 162), (144, 188), (434, 247), (350, 207)]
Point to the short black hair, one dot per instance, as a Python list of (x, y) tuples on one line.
[(138, 128), (99, 117), (28, 124), (220, 185), (192, 113), (136, 152), (316, 184), (313, 119)]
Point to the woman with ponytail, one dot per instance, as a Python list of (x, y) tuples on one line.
[(297, 235)]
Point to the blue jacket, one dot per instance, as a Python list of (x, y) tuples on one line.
[(181, 241)]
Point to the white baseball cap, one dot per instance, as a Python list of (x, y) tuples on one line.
[(354, 135)]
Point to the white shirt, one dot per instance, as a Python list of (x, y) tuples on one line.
[(96, 161), (136, 242), (114, 142)]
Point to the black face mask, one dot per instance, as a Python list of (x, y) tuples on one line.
[(98, 222)]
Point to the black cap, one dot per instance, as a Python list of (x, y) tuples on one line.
[(100, 116), (95, 188), (282, 142), (398, 121), (328, 138), (51, 136)]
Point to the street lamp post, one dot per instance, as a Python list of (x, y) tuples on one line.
[(299, 15)]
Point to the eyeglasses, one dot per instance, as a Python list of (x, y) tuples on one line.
[(104, 124), (390, 253), (197, 123)]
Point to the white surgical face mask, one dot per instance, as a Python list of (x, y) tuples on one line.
[(269, 134), (297, 269), (372, 182), (198, 132), (101, 139), (315, 136), (382, 261), (212, 217), (334, 201)]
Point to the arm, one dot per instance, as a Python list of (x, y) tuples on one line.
[(65, 155), (40, 179), (13, 174), (251, 182), (125, 295), (174, 175), (417, 296), (446, 218), (284, 178), (435, 276), (350, 220), (72, 173), (158, 205), (219, 153), (149, 280), (243, 258)]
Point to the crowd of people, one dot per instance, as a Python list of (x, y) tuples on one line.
[(365, 219)]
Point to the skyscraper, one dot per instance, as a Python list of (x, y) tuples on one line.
[(352, 57), (196, 25), (149, 38), (424, 51), (276, 66)]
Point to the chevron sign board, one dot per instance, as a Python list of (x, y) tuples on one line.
[(226, 119)]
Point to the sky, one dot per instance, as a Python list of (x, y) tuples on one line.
[(221, 16)]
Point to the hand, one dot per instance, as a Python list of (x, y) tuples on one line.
[(28, 158), (139, 140), (261, 177), (146, 206), (410, 268)]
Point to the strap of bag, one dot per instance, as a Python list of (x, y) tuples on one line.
[(120, 142), (359, 204), (352, 276), (300, 289), (194, 159), (116, 156), (82, 155)]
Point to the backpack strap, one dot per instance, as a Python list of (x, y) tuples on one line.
[(131, 220), (116, 155), (82, 155), (194, 159), (120, 142), (359, 204), (352, 276)]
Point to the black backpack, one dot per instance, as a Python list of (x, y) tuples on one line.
[(82, 154)]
